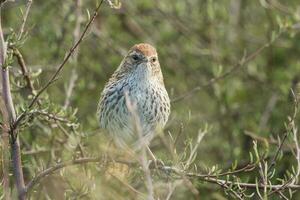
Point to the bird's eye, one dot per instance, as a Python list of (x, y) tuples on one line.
[(135, 57), (153, 59)]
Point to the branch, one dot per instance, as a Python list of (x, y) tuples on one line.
[(5, 151), (59, 166), (5, 130), (9, 116), (167, 170), (216, 180), (24, 70), (51, 116), (293, 129), (131, 189), (60, 67), (249, 185), (290, 128), (39, 151)]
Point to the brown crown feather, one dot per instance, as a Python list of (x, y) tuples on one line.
[(144, 48)]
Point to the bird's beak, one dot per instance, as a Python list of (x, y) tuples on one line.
[(145, 60)]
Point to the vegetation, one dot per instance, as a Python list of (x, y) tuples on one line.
[(231, 68)]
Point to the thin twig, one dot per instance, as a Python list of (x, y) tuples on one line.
[(40, 151), (210, 179), (227, 187), (166, 169), (297, 156), (51, 116), (59, 166), (144, 146), (57, 72), (290, 128), (193, 153), (131, 188), (24, 70), (171, 190), (28, 6)]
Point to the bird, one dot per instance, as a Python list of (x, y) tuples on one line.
[(135, 96)]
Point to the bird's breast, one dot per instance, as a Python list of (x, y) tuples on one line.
[(151, 104)]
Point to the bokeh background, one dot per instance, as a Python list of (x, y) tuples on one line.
[(197, 40)]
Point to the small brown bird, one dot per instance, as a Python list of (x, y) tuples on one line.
[(138, 79)]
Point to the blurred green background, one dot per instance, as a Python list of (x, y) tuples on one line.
[(196, 40)]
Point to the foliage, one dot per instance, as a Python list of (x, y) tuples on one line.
[(231, 67)]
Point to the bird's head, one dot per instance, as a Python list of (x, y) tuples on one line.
[(141, 60)]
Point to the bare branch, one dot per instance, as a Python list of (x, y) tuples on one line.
[(9, 116)]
